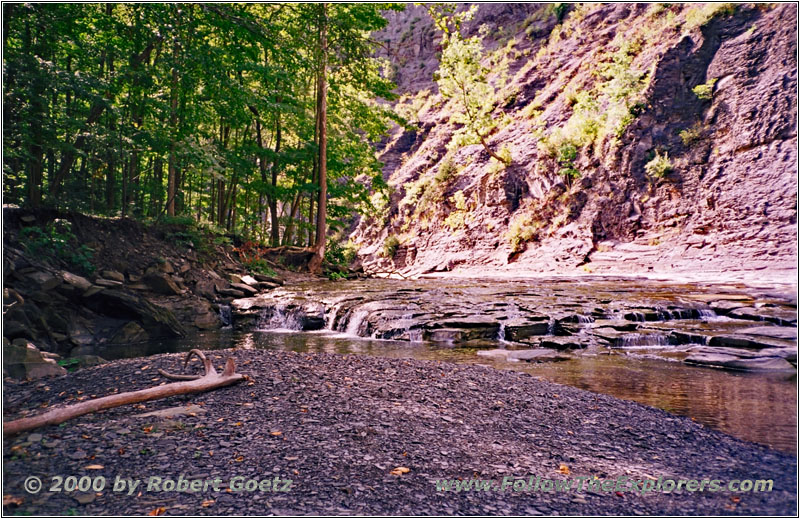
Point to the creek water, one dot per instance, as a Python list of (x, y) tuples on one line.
[(644, 367)]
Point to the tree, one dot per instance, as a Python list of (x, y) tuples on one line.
[(462, 78)]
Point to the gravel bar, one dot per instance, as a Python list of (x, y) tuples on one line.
[(364, 435)]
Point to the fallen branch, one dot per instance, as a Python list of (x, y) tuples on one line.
[(190, 384)]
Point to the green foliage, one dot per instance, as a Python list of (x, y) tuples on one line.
[(447, 171), (105, 97), (521, 229), (705, 91), (659, 166), (457, 218), (390, 245), (560, 10), (463, 79), (260, 266), (340, 255), (701, 14), (336, 276), (56, 242), (691, 135)]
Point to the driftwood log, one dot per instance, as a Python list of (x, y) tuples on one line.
[(189, 384)]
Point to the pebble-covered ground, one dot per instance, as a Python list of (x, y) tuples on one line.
[(364, 435)]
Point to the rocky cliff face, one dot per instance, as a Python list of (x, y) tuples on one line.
[(643, 137)]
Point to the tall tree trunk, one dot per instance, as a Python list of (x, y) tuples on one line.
[(158, 181), (172, 173), (273, 201), (315, 264)]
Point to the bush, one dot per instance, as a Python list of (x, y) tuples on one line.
[(447, 171), (691, 135), (705, 91), (521, 229), (659, 166), (260, 266), (704, 13), (340, 255), (390, 246)]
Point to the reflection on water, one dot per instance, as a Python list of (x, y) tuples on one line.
[(757, 407)]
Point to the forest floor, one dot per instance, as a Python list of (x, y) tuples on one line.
[(361, 435)]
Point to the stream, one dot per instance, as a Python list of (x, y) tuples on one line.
[(659, 343)]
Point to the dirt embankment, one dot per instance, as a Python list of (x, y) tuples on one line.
[(74, 284), (709, 91)]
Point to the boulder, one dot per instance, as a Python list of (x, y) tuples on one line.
[(235, 278), (518, 329), (249, 280), (113, 275), (166, 267), (73, 280), (247, 289), (44, 280), (268, 279), (561, 343), (161, 283), (231, 292), (266, 285), (15, 329), (205, 288), (131, 332), (21, 359), (156, 320)]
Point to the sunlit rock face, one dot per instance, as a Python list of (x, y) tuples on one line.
[(727, 207)]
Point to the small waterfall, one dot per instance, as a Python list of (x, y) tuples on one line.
[(355, 321), (330, 317), (583, 319), (706, 313), (551, 326), (634, 340), (501, 332), (278, 318), (635, 316), (225, 316)]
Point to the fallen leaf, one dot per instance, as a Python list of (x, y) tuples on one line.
[(157, 511), (144, 368), (147, 428), (276, 433), (207, 503), (11, 500), (239, 459), (94, 467), (736, 499), (397, 471), (563, 469), (237, 424)]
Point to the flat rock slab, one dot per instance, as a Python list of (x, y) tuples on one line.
[(775, 332), (338, 425), (739, 363), (245, 288)]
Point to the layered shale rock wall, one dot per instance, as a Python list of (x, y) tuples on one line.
[(710, 88)]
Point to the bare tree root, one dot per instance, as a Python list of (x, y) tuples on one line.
[(190, 384)]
